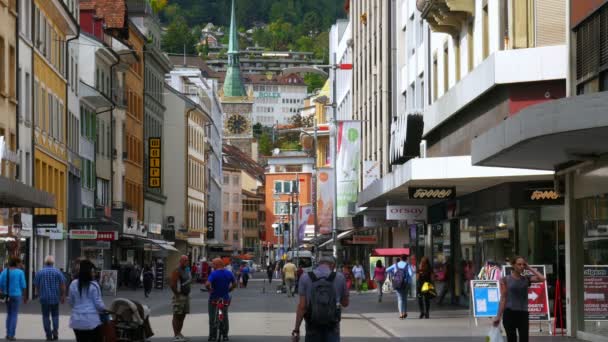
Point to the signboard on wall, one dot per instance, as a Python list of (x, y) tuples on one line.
[(538, 297), (154, 163), (595, 282), (486, 298), (365, 239), (210, 225), (406, 212)]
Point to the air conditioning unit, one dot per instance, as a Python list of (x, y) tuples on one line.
[(170, 219)]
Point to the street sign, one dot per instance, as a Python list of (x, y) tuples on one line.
[(486, 298), (538, 296)]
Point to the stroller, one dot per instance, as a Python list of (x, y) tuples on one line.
[(130, 320)]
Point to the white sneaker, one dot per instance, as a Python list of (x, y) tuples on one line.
[(180, 338)]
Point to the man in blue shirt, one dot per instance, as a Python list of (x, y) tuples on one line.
[(50, 285), (220, 283), (13, 286), (402, 264)]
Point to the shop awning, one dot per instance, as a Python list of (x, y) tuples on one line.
[(392, 252), (159, 243), (340, 236), (14, 194), (547, 136)]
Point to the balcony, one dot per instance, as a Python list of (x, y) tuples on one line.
[(446, 16)]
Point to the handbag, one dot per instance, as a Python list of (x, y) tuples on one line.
[(428, 289), (5, 297)]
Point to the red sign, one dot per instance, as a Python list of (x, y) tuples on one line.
[(596, 292), (538, 297), (365, 239), (107, 236)]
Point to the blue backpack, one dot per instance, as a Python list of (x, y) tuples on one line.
[(402, 277)]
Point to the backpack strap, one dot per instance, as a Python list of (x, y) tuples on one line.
[(331, 277), (313, 276)]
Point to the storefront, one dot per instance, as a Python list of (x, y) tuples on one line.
[(494, 225)]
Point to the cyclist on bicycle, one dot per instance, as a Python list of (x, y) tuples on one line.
[(220, 283)]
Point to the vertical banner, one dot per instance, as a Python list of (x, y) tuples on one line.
[(348, 164), (325, 199), (305, 212)]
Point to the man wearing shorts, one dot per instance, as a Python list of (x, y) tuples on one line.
[(180, 285)]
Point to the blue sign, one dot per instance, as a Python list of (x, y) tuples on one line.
[(486, 298)]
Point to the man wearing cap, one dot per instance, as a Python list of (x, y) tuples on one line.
[(181, 280), (220, 283), (306, 286)]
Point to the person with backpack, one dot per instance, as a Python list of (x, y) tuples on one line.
[(402, 279), (323, 294)]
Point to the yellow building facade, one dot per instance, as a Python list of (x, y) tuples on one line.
[(53, 24), (134, 128)]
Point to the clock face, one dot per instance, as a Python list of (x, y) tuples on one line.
[(237, 124)]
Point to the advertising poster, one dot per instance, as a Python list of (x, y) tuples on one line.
[(108, 282), (486, 298), (349, 141), (305, 214), (538, 296), (325, 199), (595, 281)]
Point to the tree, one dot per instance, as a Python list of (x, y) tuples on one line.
[(314, 81), (265, 145), (301, 121), (178, 36), (311, 24)]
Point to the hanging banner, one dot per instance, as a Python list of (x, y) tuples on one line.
[(595, 282), (348, 164), (305, 214), (486, 298), (325, 199), (371, 172), (406, 212), (538, 296)]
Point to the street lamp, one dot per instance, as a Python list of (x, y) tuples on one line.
[(319, 70)]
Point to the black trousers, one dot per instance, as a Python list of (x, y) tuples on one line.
[(213, 329), (516, 322), (88, 335), (245, 280)]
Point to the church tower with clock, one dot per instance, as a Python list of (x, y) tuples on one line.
[(237, 103)]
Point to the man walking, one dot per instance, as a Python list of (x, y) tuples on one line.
[(181, 280), (219, 284), (50, 286), (323, 294), (289, 274)]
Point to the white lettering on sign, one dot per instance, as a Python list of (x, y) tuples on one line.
[(406, 212), (432, 193)]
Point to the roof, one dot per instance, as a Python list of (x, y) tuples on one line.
[(233, 82), (113, 12), (237, 159)]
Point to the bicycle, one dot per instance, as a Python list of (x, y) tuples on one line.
[(219, 328)]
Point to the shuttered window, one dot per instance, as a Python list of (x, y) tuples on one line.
[(592, 46)]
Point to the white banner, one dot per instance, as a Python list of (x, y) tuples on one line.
[(348, 165), (406, 212), (371, 172), (372, 220)]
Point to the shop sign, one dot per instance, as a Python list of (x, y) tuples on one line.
[(486, 298), (44, 224), (371, 172), (596, 228), (4, 230), (432, 193), (154, 163), (374, 220), (93, 244), (83, 234), (595, 280), (26, 225), (210, 225), (155, 228), (538, 297), (542, 195), (406, 212), (107, 236), (365, 239)]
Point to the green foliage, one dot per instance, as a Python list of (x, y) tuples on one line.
[(265, 145), (301, 121), (314, 81), (290, 145), (179, 36)]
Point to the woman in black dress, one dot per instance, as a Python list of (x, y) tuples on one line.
[(424, 275)]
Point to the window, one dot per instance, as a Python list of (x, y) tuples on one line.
[(2, 67), (435, 78), (235, 235), (226, 232), (235, 217), (236, 198), (12, 69), (446, 69), (282, 187), (281, 208), (225, 217), (235, 180), (28, 105), (457, 58), (486, 33), (470, 46)]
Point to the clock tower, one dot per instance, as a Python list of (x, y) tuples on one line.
[(237, 103)]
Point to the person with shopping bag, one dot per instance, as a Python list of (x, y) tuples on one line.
[(424, 287), (513, 309)]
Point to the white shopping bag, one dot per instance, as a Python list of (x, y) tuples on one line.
[(387, 287), (494, 335)]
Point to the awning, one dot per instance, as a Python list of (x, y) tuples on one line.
[(160, 243), (547, 136), (95, 221), (94, 98), (390, 251), (340, 236), (14, 194)]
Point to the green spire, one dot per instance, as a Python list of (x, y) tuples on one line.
[(233, 83)]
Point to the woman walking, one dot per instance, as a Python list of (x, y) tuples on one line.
[(269, 271), (12, 283), (359, 275), (424, 275), (148, 278), (379, 277), (514, 300), (86, 302)]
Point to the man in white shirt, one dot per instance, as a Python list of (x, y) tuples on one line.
[(359, 274)]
